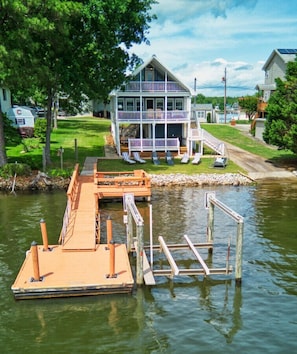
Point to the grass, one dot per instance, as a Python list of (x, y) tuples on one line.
[(235, 137), (89, 134)]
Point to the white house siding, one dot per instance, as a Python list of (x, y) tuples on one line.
[(5, 99), (157, 104)]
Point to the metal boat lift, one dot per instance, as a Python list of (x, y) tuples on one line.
[(145, 272)]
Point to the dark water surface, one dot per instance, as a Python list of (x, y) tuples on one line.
[(184, 315)]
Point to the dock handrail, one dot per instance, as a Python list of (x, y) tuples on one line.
[(120, 179), (72, 188)]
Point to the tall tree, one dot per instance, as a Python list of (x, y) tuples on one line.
[(249, 105), (75, 47), (281, 122)]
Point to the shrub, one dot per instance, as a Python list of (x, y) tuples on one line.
[(9, 169), (40, 129)]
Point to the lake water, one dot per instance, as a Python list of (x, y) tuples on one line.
[(186, 314)]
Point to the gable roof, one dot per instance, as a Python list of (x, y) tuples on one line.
[(286, 56), (157, 64)]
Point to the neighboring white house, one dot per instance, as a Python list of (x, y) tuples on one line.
[(5, 99), (156, 105), (274, 67), (201, 111)]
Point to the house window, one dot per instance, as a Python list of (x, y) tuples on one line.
[(160, 103), (179, 104), (130, 104), (200, 114), (120, 104), (137, 104), (169, 104), (149, 73), (4, 95)]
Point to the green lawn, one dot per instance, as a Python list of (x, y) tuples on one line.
[(88, 134)]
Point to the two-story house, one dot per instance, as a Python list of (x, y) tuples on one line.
[(155, 106), (274, 67)]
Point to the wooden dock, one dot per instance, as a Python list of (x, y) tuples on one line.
[(79, 264)]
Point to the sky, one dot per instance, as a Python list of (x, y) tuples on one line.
[(200, 39)]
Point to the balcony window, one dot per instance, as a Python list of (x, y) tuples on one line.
[(179, 104), (130, 104), (169, 104)]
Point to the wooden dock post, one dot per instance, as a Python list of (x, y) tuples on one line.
[(44, 235), (111, 246), (109, 230), (210, 226), (238, 260), (35, 261)]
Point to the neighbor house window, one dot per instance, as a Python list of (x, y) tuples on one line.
[(200, 114)]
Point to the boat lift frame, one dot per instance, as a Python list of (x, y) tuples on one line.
[(144, 270)]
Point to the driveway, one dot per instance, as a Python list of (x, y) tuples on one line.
[(256, 166)]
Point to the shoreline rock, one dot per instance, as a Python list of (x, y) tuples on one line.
[(203, 179), (41, 182)]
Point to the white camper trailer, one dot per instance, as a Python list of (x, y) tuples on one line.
[(23, 119)]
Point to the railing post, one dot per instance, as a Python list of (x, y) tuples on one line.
[(238, 261), (210, 225), (139, 255), (111, 246)]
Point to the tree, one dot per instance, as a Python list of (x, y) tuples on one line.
[(75, 47), (281, 122), (249, 104)]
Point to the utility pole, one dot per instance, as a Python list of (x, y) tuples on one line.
[(224, 79)]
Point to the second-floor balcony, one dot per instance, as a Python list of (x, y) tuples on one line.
[(150, 116), (153, 86)]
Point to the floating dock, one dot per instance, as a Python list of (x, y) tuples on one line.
[(79, 264)]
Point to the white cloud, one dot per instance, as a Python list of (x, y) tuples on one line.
[(199, 38)]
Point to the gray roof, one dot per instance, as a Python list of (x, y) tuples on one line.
[(286, 55), (202, 107)]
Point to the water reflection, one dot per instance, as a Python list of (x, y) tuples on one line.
[(186, 314)]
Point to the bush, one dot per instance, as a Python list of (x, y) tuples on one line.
[(40, 129), (9, 169)]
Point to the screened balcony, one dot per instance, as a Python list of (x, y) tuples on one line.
[(156, 116), (153, 86), (158, 144)]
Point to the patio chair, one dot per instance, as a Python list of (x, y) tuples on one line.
[(126, 158), (185, 158), (169, 158), (155, 158), (197, 158), (137, 157)]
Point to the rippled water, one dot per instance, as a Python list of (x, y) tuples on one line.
[(186, 314)]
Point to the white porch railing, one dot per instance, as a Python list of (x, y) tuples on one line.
[(153, 86), (153, 116), (159, 144)]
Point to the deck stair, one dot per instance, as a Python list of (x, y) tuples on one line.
[(199, 134)]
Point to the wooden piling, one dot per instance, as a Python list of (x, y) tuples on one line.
[(35, 261), (238, 261), (111, 246), (44, 235), (109, 230)]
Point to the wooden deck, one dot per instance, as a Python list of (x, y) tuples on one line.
[(116, 184), (66, 274), (79, 265)]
